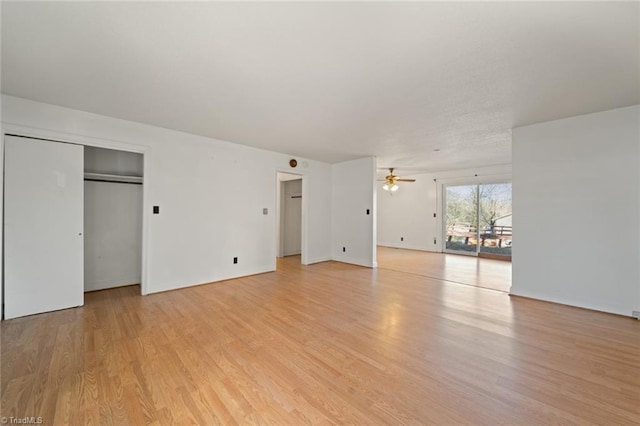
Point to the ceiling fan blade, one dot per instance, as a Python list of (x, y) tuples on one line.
[(405, 180)]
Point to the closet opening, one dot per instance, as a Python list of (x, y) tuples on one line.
[(289, 217), (113, 193)]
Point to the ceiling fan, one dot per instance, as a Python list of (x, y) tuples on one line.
[(390, 181)]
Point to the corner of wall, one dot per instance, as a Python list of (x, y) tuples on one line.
[(354, 211)]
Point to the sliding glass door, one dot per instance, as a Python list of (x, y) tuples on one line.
[(478, 219), (461, 219), (495, 219)]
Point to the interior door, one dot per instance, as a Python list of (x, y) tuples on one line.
[(43, 226)]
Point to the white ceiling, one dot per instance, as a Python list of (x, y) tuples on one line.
[(331, 81)]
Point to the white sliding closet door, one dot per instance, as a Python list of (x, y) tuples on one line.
[(43, 226)]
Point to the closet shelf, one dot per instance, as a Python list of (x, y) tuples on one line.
[(104, 177)]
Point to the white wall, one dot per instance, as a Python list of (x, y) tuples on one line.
[(354, 193), (576, 190), (317, 207), (211, 194), (408, 213)]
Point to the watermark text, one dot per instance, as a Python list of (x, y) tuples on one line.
[(26, 420)]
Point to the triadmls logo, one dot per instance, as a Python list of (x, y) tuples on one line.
[(27, 420)]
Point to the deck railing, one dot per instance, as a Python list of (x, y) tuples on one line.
[(467, 231)]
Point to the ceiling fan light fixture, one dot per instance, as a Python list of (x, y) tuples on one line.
[(391, 179), (390, 186)]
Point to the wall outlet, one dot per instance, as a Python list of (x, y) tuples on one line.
[(635, 314), (344, 249), (235, 260), (434, 241), (401, 238)]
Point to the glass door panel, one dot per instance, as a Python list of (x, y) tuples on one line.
[(496, 229), (461, 219)]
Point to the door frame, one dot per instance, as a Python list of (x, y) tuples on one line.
[(285, 200), (278, 215), (477, 180), (55, 136)]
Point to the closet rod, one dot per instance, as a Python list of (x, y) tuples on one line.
[(112, 181), (105, 177)]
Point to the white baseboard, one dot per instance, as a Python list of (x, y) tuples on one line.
[(408, 247), (571, 302), (110, 283), (354, 261), (241, 273), (318, 260)]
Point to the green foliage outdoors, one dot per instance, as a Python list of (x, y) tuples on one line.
[(462, 205)]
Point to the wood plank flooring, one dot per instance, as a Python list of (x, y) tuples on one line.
[(325, 344), (455, 268)]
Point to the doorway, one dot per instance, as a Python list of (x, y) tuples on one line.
[(478, 219), (289, 216), (113, 188), (292, 218)]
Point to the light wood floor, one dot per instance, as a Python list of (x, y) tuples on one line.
[(454, 268), (328, 343)]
